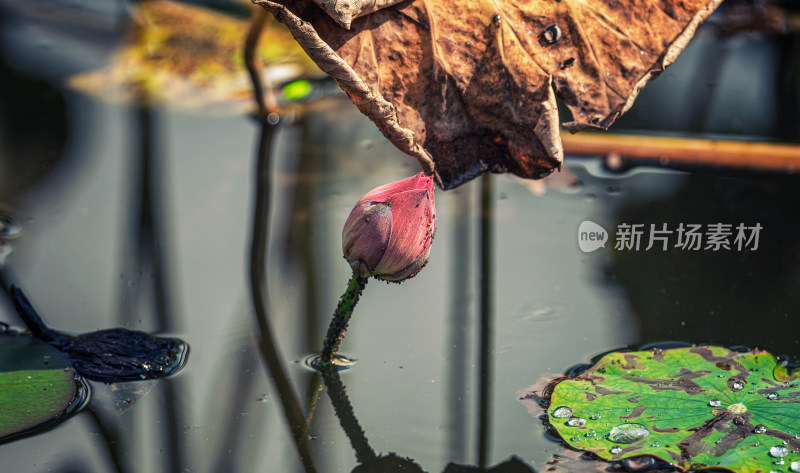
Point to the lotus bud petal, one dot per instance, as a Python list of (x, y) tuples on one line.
[(389, 232), (366, 235)]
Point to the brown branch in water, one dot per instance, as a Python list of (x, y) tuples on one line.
[(262, 91), (686, 151)]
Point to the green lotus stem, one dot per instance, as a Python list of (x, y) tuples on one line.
[(341, 317)]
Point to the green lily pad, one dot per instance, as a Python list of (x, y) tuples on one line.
[(696, 408), (38, 387)]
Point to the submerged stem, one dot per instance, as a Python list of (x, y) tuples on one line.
[(341, 317)]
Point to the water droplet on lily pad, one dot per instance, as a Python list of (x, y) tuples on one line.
[(737, 386), (615, 449), (562, 412), (628, 433), (778, 451), (595, 417), (772, 396), (737, 408), (576, 421), (760, 429), (795, 466), (591, 434), (714, 403), (779, 461)]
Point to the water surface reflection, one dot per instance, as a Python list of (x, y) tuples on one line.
[(147, 222)]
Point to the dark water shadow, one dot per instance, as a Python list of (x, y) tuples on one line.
[(149, 236), (459, 322), (728, 297)]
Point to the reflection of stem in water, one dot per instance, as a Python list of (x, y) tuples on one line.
[(301, 247), (347, 418), (484, 419), (313, 391), (148, 226), (258, 288), (367, 459), (148, 249), (701, 96), (341, 317), (459, 321)]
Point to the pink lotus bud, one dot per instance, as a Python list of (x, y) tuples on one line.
[(389, 232)]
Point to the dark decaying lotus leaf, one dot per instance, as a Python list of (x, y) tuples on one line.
[(109, 355), (469, 87)]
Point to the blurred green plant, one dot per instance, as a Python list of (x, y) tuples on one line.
[(297, 89), (192, 57)]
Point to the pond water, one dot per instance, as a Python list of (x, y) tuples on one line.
[(142, 219)]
